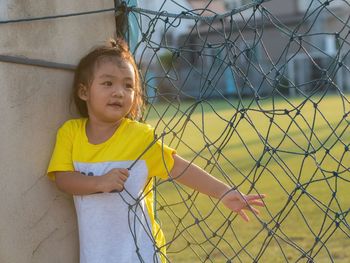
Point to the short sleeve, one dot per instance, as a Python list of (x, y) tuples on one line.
[(61, 159), (160, 160)]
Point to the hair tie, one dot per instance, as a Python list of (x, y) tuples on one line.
[(113, 43)]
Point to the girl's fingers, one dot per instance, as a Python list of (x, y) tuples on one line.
[(255, 197), (124, 172), (253, 210), (120, 187), (243, 215), (242, 198), (123, 177), (256, 202), (252, 200)]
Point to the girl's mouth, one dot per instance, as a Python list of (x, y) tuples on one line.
[(115, 105)]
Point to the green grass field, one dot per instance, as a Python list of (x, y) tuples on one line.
[(305, 148)]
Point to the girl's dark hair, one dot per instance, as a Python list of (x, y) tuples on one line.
[(84, 74)]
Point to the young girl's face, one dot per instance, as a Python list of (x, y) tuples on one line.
[(111, 94)]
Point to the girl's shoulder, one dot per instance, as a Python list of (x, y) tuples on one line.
[(137, 127), (72, 126), (73, 123)]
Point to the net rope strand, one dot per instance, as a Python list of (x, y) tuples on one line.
[(294, 142)]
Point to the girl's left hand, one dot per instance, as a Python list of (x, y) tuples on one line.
[(238, 202)]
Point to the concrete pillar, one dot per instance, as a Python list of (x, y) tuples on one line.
[(37, 221)]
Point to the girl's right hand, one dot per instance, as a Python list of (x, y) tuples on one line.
[(114, 180)]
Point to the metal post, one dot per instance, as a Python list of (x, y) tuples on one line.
[(121, 19)]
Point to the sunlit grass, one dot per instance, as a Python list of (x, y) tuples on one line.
[(294, 151)]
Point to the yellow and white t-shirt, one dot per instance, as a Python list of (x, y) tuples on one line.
[(116, 227)]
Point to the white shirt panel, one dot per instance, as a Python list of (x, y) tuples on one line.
[(115, 227)]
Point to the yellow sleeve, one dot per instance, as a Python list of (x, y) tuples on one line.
[(159, 158), (61, 159)]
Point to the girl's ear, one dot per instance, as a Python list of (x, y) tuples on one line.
[(82, 92)]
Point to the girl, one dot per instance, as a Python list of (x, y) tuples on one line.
[(108, 152)]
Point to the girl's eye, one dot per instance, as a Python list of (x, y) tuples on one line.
[(129, 86), (107, 83)]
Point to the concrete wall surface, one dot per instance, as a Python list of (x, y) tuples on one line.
[(37, 222)]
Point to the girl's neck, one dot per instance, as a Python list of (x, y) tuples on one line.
[(98, 132)]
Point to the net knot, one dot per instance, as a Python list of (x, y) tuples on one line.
[(123, 8)]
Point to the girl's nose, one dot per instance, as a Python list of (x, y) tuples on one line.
[(117, 91)]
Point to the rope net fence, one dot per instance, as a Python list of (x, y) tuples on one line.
[(256, 93), (258, 98)]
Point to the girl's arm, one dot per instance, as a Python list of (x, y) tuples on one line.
[(78, 184), (196, 178)]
